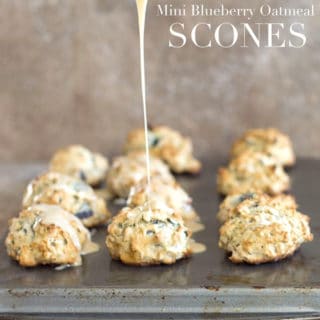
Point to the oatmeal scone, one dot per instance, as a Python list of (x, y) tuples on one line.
[(262, 233), (270, 141), (127, 171), (168, 145), (47, 234), (228, 207), (253, 172), (163, 193), (71, 194), (79, 162), (139, 236)]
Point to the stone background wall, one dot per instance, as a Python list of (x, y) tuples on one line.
[(69, 73)]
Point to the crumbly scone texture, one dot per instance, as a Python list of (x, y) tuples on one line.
[(71, 194), (139, 236), (127, 171), (168, 145), (45, 234), (270, 141), (163, 194), (263, 233), (228, 207), (253, 172), (79, 162)]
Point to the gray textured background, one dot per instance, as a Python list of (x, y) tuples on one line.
[(69, 73)]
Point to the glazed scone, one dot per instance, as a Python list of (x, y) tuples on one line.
[(46, 234), (79, 162), (139, 236), (71, 194), (270, 141), (228, 207), (163, 193), (127, 171), (253, 172), (263, 233), (168, 145)]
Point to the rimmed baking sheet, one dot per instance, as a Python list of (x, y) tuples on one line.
[(205, 283)]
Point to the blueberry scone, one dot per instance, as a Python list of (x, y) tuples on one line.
[(168, 145), (79, 162), (270, 141), (139, 236), (253, 172), (262, 233), (127, 171), (163, 193), (46, 234), (228, 208), (71, 194)]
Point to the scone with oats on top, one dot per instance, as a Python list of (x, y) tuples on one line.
[(261, 233), (253, 172), (140, 236), (71, 194), (79, 162), (270, 141), (46, 234), (127, 171), (163, 193), (168, 145), (228, 207)]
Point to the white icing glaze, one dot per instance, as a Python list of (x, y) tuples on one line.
[(50, 214)]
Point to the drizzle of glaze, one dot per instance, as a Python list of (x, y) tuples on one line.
[(142, 9), (54, 215)]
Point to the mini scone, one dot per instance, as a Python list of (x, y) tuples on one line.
[(228, 207), (168, 145), (79, 162), (71, 194), (139, 236), (161, 193), (253, 172), (263, 233), (47, 234), (270, 141), (127, 171)]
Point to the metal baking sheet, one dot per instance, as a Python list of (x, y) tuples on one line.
[(205, 283)]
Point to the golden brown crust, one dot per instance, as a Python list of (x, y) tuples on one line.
[(79, 162), (45, 234), (128, 171), (253, 172), (262, 233), (168, 145), (139, 236), (163, 193), (229, 206), (270, 141), (71, 194)]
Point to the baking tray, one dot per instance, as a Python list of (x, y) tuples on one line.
[(207, 283)]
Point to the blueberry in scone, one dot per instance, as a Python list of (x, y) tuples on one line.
[(47, 234), (79, 162), (168, 145), (262, 233), (127, 171), (228, 207), (163, 194), (71, 194), (140, 236), (253, 172), (270, 141)]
